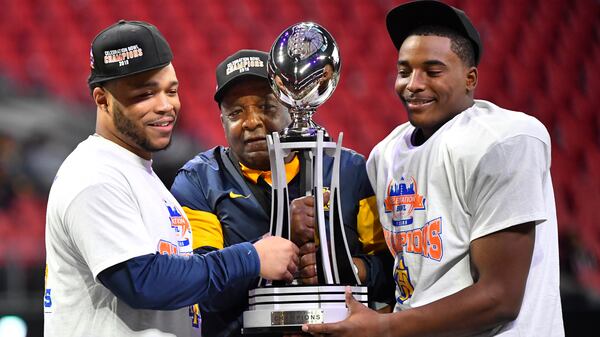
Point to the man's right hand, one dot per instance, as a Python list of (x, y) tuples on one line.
[(278, 258), (302, 212)]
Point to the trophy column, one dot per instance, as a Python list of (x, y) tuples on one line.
[(334, 257), (283, 309)]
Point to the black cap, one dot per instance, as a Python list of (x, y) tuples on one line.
[(243, 63), (404, 19), (127, 48)]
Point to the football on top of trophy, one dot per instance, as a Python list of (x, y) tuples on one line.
[(304, 66)]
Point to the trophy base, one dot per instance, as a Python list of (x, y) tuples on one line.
[(278, 310), (271, 331)]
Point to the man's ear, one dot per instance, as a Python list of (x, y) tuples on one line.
[(471, 79), (100, 96), (222, 121)]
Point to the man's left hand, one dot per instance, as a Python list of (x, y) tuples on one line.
[(361, 322), (302, 213), (308, 264)]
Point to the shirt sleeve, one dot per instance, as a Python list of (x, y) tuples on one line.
[(148, 282), (372, 167), (506, 187), (106, 227), (188, 191), (375, 254), (206, 227), (370, 232)]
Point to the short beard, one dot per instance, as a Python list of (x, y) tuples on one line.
[(128, 128)]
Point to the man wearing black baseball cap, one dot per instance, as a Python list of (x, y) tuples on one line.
[(119, 246), (464, 195), (127, 48), (226, 193)]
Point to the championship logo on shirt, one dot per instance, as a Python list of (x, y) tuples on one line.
[(402, 199), (181, 226)]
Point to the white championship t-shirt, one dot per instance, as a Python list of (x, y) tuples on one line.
[(106, 205), (483, 171)]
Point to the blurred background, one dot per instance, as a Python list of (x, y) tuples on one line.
[(538, 58)]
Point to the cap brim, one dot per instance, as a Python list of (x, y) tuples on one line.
[(223, 89), (99, 79)]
